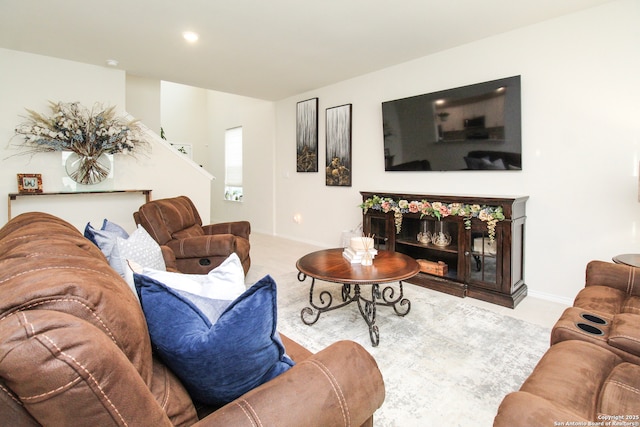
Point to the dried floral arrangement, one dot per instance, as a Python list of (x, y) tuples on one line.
[(87, 132)]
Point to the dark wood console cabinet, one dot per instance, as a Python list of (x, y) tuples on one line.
[(476, 267)]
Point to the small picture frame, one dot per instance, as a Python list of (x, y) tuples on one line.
[(29, 183)]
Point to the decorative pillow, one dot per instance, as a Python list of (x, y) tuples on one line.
[(139, 247), (497, 164), (193, 287), (106, 237), (219, 360), (225, 282), (484, 163), (474, 163)]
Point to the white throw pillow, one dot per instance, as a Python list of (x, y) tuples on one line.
[(139, 247), (225, 282)]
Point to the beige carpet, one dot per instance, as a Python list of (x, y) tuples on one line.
[(446, 363)]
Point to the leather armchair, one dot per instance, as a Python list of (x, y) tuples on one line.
[(187, 245)]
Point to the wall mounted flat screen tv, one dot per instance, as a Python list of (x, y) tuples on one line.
[(475, 127)]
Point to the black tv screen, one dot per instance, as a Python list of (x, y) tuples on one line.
[(475, 127)]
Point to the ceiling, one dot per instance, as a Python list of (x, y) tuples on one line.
[(267, 49)]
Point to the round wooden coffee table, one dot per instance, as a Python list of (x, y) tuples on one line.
[(330, 265)]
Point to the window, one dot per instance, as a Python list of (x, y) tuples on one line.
[(233, 164)]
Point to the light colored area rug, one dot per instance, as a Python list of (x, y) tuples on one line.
[(447, 362)]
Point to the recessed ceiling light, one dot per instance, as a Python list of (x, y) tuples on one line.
[(112, 63), (190, 36)]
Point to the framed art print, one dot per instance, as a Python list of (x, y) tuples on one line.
[(338, 135), (29, 183), (307, 136)]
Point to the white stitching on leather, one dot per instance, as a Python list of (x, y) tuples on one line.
[(336, 389), (28, 236), (61, 267), (11, 395), (26, 322), (89, 309), (153, 230), (167, 387), (93, 379), (630, 338), (245, 412), (625, 386), (62, 387), (253, 416), (31, 327), (36, 254)]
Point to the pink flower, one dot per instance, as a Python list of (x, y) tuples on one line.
[(414, 207), (444, 210), (385, 206)]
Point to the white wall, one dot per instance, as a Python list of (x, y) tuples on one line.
[(30, 81), (200, 117), (143, 100), (184, 115), (257, 118), (581, 142)]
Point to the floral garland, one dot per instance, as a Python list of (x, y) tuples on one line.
[(489, 214)]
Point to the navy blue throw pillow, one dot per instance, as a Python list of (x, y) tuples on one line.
[(106, 237), (221, 360)]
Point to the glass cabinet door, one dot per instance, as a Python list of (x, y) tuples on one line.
[(484, 257), (435, 241), (380, 227)]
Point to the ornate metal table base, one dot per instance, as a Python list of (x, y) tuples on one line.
[(353, 293)]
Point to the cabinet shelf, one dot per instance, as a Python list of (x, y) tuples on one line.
[(478, 267), (428, 246), (485, 255)]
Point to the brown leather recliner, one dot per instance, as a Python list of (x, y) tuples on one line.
[(591, 373), (187, 245), (606, 312), (75, 351)]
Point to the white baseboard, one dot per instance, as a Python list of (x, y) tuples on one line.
[(320, 245), (551, 297)]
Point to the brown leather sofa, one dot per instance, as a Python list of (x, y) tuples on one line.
[(591, 372), (187, 245), (606, 312), (75, 350)]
